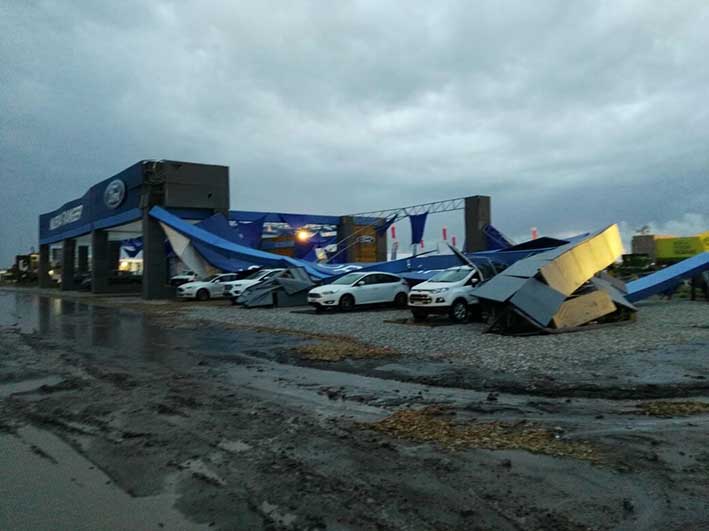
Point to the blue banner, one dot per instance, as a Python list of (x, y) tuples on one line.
[(418, 224)]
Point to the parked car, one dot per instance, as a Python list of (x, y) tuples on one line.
[(355, 289), (183, 278), (447, 292), (235, 288), (211, 287)]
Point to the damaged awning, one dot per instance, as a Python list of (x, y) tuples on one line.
[(558, 289), (222, 253)]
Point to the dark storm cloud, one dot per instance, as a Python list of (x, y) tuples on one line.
[(570, 114)]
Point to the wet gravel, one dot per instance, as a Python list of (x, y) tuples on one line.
[(661, 326)]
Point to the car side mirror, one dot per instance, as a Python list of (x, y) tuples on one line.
[(359, 283)]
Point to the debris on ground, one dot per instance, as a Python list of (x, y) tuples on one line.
[(674, 409), (434, 424), (558, 290), (340, 350)]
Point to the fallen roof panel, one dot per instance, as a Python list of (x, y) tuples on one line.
[(668, 277), (583, 309), (538, 301), (499, 288)]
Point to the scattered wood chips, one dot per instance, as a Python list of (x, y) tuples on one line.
[(674, 409), (340, 350), (433, 424)]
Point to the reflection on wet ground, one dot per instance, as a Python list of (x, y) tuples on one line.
[(92, 328)]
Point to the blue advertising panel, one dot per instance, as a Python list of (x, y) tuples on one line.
[(111, 202)]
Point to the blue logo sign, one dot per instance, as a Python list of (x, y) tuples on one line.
[(115, 193)]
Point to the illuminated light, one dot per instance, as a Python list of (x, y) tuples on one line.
[(50, 272), (124, 265), (303, 235)]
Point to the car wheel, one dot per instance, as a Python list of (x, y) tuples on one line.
[(203, 295), (347, 303), (459, 311), (401, 300), (419, 315)]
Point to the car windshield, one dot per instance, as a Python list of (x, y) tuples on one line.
[(450, 275), (254, 276), (211, 278), (348, 279)]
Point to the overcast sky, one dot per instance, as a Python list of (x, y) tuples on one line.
[(570, 114)]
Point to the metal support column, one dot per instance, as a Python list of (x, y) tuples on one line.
[(43, 272), (344, 235), (477, 215), (68, 261), (155, 279), (381, 242), (99, 261)]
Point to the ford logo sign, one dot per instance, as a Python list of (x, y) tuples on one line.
[(115, 193)]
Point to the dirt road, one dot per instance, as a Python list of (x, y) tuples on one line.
[(144, 420)]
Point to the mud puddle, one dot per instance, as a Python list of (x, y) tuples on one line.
[(26, 386), (47, 485)]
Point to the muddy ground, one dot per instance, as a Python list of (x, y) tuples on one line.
[(141, 419)]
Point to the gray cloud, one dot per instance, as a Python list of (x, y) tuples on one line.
[(571, 115)]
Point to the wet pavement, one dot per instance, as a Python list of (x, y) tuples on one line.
[(122, 419)]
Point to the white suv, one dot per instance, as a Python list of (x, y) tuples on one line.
[(354, 289), (449, 291)]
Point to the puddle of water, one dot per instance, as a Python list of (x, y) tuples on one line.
[(47, 485), (25, 386), (119, 332)]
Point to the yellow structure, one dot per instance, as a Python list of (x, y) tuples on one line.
[(671, 248)]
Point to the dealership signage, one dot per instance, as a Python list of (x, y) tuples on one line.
[(111, 202), (115, 193), (69, 215)]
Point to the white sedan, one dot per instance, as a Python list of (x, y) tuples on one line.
[(203, 290), (354, 289)]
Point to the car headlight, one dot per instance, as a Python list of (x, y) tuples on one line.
[(440, 290)]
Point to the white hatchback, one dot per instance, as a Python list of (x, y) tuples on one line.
[(355, 289)]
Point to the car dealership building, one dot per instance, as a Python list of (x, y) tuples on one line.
[(90, 230)]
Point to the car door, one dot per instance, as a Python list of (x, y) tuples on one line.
[(365, 290), (388, 286), (216, 288)]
